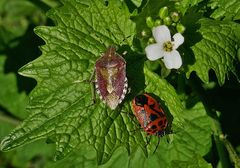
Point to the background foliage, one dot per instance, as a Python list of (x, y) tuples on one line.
[(201, 99)]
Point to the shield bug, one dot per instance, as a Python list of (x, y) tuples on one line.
[(150, 115), (111, 81)]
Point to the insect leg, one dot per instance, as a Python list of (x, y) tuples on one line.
[(147, 141), (92, 83), (157, 144)]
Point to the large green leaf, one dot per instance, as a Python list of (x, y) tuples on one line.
[(193, 140), (217, 50), (226, 10), (61, 107)]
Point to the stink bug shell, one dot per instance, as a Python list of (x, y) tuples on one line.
[(111, 80)]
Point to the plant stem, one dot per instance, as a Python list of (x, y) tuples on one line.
[(5, 118), (45, 5), (232, 153), (217, 131), (216, 126)]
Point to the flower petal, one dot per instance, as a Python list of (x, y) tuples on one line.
[(172, 60), (178, 40), (161, 34), (154, 52)]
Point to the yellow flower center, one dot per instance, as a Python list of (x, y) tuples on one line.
[(168, 46)]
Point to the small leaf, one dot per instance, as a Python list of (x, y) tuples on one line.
[(226, 10), (22, 157), (137, 2), (10, 98), (217, 50), (184, 5), (15, 19)]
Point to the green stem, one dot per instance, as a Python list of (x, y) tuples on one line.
[(7, 119), (216, 126), (217, 131), (232, 153), (45, 5)]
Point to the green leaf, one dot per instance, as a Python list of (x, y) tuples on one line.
[(10, 98), (137, 2), (217, 50), (193, 140), (184, 5), (197, 162), (60, 105), (86, 158), (15, 16), (22, 157), (226, 10), (31, 154)]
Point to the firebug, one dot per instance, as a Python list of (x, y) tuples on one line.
[(150, 115)]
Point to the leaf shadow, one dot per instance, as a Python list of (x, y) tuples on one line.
[(26, 51), (134, 70), (191, 35)]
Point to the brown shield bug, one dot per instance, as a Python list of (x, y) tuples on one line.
[(111, 81)]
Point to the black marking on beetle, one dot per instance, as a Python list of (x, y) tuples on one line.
[(141, 100), (149, 130), (153, 127), (165, 120), (160, 123), (153, 117), (157, 111)]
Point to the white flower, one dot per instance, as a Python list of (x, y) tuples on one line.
[(165, 47)]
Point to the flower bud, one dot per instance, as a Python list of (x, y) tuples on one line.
[(151, 40), (149, 22), (180, 28), (177, 4), (175, 16), (167, 21), (145, 33), (158, 22), (163, 12)]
